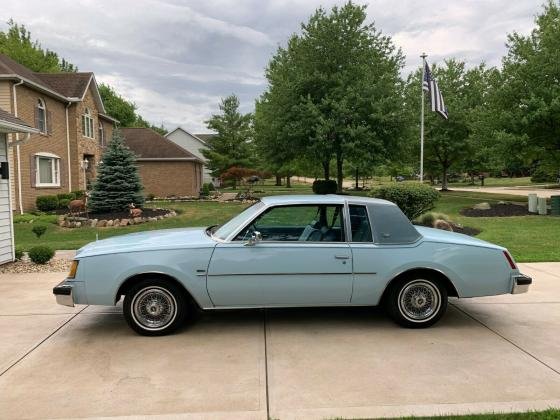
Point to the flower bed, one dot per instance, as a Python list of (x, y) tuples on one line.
[(114, 219)]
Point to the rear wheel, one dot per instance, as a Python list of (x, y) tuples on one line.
[(155, 307), (417, 301)]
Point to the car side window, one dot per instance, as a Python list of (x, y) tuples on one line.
[(359, 222), (298, 223)]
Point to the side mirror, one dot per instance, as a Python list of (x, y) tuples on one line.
[(255, 238)]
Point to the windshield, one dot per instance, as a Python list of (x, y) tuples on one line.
[(228, 228)]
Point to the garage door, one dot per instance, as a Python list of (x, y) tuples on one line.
[(6, 232)]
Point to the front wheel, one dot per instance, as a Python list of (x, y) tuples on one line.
[(417, 302), (155, 307)]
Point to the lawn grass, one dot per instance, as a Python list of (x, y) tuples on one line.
[(529, 238), (191, 214), (550, 414)]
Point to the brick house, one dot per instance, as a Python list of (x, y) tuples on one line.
[(194, 144), (165, 168), (68, 112)]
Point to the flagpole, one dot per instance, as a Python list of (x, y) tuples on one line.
[(423, 56)]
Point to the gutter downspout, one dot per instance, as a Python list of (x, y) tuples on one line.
[(20, 201), (68, 148)]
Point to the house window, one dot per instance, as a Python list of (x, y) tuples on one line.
[(87, 124), (41, 116), (47, 170), (101, 134)]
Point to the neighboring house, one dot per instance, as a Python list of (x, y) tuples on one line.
[(166, 169), (9, 124), (195, 144), (68, 113)]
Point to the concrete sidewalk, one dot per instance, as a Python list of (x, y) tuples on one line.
[(488, 354)]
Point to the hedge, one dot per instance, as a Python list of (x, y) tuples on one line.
[(322, 186), (412, 198)]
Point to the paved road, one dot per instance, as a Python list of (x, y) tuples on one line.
[(524, 191), (488, 354)]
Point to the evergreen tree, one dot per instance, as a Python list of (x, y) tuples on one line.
[(117, 183), (232, 144)]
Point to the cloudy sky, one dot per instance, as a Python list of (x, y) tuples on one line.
[(176, 58)]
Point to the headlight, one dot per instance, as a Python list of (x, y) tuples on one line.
[(73, 269)]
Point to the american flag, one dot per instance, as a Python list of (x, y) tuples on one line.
[(430, 85)]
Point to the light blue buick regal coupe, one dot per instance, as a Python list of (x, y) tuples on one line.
[(290, 251)]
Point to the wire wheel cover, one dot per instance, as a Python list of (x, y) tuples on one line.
[(419, 301), (154, 308)]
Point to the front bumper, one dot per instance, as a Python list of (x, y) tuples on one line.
[(63, 293), (521, 283)]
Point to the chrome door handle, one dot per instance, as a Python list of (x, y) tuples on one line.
[(342, 257)]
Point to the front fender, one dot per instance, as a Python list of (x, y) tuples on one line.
[(104, 274)]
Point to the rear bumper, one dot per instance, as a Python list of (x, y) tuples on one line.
[(64, 294), (521, 283)]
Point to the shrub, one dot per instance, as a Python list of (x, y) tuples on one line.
[(322, 186), (63, 203), (39, 230), (78, 195), (41, 254), (211, 187), (412, 198), (428, 219), (150, 197), (542, 175), (47, 202), (65, 196), (19, 253), (205, 190)]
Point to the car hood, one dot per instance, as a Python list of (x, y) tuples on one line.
[(149, 241), (444, 236)]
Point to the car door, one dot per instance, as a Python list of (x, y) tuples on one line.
[(302, 259)]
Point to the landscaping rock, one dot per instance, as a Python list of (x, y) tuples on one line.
[(116, 222), (109, 223), (102, 223), (77, 224), (443, 225), (124, 222), (94, 222), (482, 206), (152, 219), (137, 220)]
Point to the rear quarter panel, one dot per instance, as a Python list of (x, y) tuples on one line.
[(473, 270), (104, 274)]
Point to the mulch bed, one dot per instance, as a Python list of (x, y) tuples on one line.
[(497, 210), (126, 214), (466, 230), (25, 266)]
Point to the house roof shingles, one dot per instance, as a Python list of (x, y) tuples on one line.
[(147, 144), (71, 85), (6, 116)]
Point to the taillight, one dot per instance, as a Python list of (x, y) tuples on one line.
[(510, 260)]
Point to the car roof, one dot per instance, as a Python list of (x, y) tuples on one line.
[(322, 199)]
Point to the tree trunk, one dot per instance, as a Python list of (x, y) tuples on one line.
[(278, 181), (339, 174), (444, 179), (288, 181), (326, 169), (357, 179)]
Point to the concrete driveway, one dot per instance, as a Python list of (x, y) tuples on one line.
[(488, 354)]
